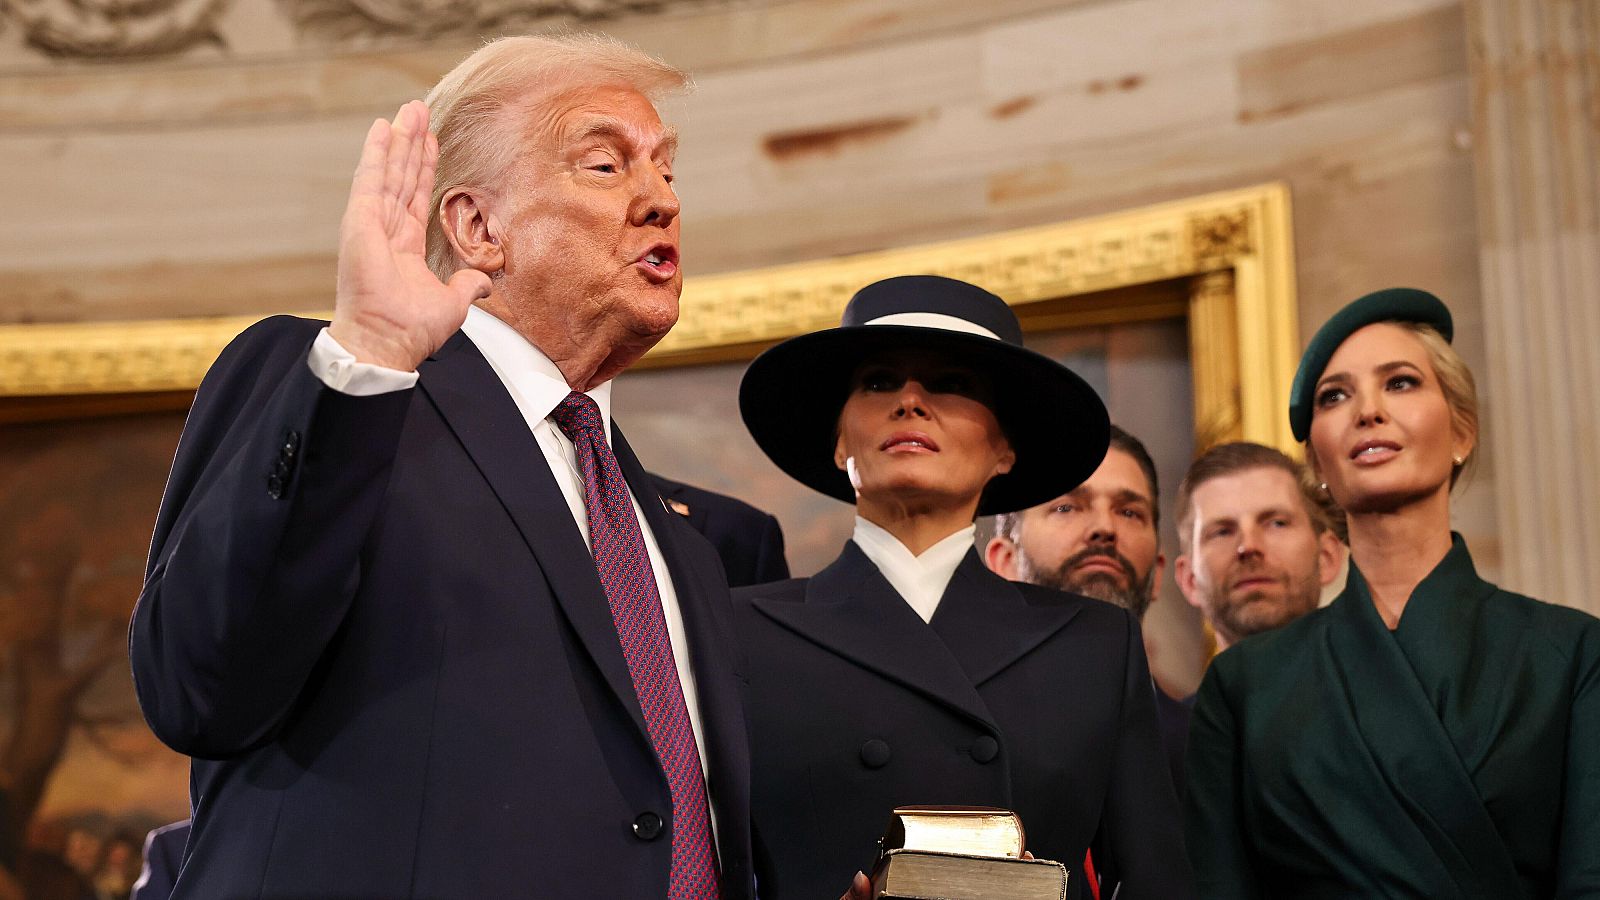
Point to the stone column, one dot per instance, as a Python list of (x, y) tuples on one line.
[(1535, 68)]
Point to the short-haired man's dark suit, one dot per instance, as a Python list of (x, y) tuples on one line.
[(749, 541), (376, 627), (1014, 696), (1172, 716)]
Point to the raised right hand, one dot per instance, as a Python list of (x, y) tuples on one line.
[(390, 309)]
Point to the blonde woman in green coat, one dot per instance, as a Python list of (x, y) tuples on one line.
[(1427, 734)]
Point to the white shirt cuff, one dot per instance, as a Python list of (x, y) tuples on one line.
[(337, 368)]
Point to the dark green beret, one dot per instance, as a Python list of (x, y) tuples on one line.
[(1388, 305)]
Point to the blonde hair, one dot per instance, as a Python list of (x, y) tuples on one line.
[(1456, 383), (467, 108)]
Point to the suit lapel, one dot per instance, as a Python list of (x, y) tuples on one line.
[(988, 624), (486, 420), (710, 639), (711, 648), (674, 492), (1411, 746), (852, 610)]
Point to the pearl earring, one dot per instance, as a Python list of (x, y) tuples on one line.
[(1459, 460), (1324, 487)]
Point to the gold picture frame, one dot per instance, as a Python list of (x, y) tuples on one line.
[(1230, 255)]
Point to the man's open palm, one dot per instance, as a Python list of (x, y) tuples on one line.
[(390, 309)]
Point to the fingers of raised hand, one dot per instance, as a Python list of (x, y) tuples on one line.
[(421, 201), (368, 180), (469, 285), (414, 118)]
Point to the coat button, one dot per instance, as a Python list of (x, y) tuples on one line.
[(985, 748), (647, 827), (875, 754)]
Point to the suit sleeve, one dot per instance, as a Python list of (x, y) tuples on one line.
[(254, 561), (1578, 865), (1213, 820), (771, 563), (1140, 845)]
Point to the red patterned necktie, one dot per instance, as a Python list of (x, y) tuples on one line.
[(630, 586)]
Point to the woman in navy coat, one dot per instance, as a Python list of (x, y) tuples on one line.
[(906, 672)]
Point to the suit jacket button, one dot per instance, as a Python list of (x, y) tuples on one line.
[(985, 748), (875, 754), (647, 827)]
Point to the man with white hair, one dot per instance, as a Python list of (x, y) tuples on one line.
[(412, 604)]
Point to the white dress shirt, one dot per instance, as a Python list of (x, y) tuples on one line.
[(537, 386), (920, 580)]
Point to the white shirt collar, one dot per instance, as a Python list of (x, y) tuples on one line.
[(535, 383), (920, 580)]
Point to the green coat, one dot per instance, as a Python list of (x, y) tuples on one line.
[(1457, 756)]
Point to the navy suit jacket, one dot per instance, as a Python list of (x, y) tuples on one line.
[(1173, 717), (749, 540), (375, 626), (1014, 696)]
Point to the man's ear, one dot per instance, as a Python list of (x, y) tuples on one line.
[(472, 230), (1000, 555), (1330, 555), (1156, 572), (1183, 573)]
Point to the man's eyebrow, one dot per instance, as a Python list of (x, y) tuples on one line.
[(614, 129), (1128, 495)]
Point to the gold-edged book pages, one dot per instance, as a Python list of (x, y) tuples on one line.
[(961, 853), (976, 830), (928, 875)]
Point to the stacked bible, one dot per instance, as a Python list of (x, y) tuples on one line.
[(961, 853)]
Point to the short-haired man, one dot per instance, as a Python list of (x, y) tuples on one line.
[(1258, 545), (1099, 540), (413, 605)]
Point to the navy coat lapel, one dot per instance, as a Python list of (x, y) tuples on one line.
[(987, 622), (852, 610), (711, 642), (486, 420), (1412, 747)]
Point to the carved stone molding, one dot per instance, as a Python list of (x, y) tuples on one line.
[(115, 29), (343, 20)]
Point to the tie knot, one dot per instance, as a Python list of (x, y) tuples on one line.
[(577, 415)]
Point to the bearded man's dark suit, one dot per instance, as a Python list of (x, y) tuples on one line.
[(375, 624), (1013, 696)]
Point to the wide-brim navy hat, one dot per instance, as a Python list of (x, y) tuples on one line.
[(792, 394), (1388, 305)]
